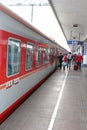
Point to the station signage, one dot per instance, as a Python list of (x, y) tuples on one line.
[(75, 42), (85, 49)]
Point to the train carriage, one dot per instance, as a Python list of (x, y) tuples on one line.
[(27, 58)]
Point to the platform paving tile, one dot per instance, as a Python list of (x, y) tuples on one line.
[(31, 123), (72, 112), (69, 125)]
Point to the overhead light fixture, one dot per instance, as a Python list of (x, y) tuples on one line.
[(74, 37), (75, 25)]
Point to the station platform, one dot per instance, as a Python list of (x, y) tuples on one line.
[(60, 103)]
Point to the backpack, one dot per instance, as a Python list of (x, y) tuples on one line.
[(65, 58)]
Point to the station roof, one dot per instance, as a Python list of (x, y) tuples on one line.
[(72, 17)]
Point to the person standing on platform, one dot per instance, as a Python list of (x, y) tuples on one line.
[(60, 57), (74, 59), (69, 58), (79, 60), (64, 61)]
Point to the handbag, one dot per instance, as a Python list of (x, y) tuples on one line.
[(64, 63)]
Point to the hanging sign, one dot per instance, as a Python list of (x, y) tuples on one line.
[(75, 42)]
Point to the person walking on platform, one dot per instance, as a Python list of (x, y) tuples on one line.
[(64, 61), (60, 57), (74, 59), (69, 58), (79, 60)]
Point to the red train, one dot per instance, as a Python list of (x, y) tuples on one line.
[(27, 58)]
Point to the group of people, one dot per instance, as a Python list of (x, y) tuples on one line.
[(67, 59)]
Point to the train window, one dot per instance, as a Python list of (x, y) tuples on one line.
[(49, 54), (44, 55), (29, 56), (38, 55), (13, 63)]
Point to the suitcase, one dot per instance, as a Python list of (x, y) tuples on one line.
[(75, 67)]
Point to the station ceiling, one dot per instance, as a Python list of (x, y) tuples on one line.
[(72, 16)]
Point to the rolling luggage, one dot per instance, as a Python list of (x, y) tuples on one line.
[(75, 67)]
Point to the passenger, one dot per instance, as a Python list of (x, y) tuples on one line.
[(64, 61), (79, 60), (60, 57), (74, 59), (69, 58)]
